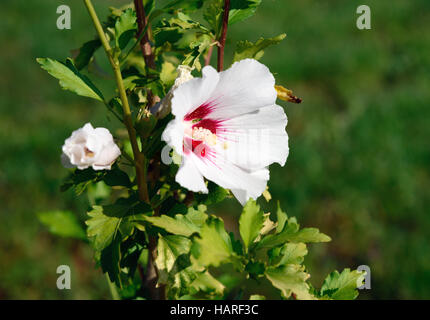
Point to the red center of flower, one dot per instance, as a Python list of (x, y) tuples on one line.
[(203, 130)]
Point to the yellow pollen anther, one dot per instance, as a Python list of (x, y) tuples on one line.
[(205, 135), (88, 152)]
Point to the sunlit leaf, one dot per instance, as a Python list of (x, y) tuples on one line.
[(342, 286), (255, 50), (70, 78), (62, 223), (213, 247), (250, 222), (125, 28), (290, 279)]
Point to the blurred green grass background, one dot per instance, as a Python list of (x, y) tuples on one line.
[(359, 143)]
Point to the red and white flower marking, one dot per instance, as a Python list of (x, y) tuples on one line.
[(228, 129)]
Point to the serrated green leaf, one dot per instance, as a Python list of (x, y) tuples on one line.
[(242, 9), (125, 27), (180, 284), (213, 247), (205, 282), (70, 78), (102, 227), (110, 258), (342, 286), (293, 253), (291, 233), (86, 52), (281, 218), (106, 221), (192, 58), (250, 222), (290, 279), (188, 5), (246, 49), (212, 15), (180, 224), (117, 177), (62, 223), (81, 179), (169, 248), (168, 74)]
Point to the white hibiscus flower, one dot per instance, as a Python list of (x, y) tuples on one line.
[(90, 147), (228, 129)]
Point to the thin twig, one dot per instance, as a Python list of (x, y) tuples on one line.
[(139, 159), (223, 35), (151, 277), (208, 56), (145, 45)]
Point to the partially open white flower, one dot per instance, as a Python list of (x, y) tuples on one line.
[(228, 129), (90, 147)]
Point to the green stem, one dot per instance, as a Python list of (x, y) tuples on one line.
[(139, 158)]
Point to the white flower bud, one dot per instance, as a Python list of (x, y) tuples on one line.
[(90, 147), (162, 109)]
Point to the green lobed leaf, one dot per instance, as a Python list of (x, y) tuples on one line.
[(192, 58), (242, 9), (281, 218), (117, 177), (86, 52), (246, 49), (169, 248), (181, 225), (289, 253), (250, 222), (125, 27), (213, 247), (106, 221), (205, 282), (212, 15), (102, 227), (188, 5), (290, 279), (180, 284), (292, 233), (70, 78), (342, 286), (110, 258), (62, 223)]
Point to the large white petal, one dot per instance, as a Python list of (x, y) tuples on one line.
[(245, 87), (106, 157), (194, 92), (230, 176), (243, 195), (189, 176), (255, 140), (174, 135)]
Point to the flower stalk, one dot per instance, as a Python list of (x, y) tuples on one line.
[(139, 158)]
